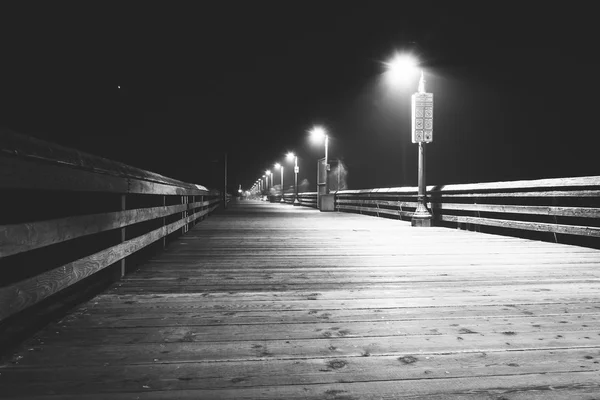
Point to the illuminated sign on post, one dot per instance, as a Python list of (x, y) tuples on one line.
[(422, 117)]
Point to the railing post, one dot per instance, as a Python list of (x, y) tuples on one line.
[(164, 222), (183, 215), (193, 223), (122, 262), (202, 207)]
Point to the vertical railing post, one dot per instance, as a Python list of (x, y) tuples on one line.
[(164, 222), (202, 207), (122, 266), (181, 216), (193, 223)]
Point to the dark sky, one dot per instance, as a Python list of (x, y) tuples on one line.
[(515, 86)]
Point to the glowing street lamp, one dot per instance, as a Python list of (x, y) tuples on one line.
[(279, 166), (319, 133), (399, 69), (269, 184), (291, 156)]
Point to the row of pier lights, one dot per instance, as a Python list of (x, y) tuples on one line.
[(399, 68)]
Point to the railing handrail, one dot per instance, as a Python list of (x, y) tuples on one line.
[(583, 181), (32, 149)]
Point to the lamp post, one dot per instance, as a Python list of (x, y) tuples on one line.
[(422, 132), (421, 129), (280, 167), (319, 133), (269, 184), (291, 156)]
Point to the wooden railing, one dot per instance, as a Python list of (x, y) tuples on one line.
[(68, 215), (308, 199), (562, 209)]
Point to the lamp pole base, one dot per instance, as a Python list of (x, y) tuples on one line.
[(421, 217), (296, 202)]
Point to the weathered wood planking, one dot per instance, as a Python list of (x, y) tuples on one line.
[(18, 238), (271, 301)]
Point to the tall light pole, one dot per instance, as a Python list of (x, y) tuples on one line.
[(319, 133), (422, 132), (399, 68), (291, 156), (279, 166)]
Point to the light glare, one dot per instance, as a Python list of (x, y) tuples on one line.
[(318, 132), (401, 68)]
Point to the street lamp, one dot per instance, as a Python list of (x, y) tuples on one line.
[(279, 166), (269, 184), (399, 68), (318, 133), (291, 156)]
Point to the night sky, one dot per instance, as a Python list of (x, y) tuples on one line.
[(516, 88)]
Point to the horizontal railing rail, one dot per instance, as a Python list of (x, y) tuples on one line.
[(69, 215), (569, 207)]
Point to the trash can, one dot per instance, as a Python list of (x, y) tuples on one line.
[(327, 202)]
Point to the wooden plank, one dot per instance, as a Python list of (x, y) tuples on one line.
[(530, 226), (19, 238), (198, 375), (23, 294), (184, 348), (528, 194), (581, 212), (146, 187), (375, 210), (155, 316), (410, 204), (452, 328)]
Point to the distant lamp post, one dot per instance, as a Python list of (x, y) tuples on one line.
[(319, 133), (291, 156), (399, 68), (280, 167), (269, 184)]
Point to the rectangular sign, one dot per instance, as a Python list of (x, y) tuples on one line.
[(422, 117)]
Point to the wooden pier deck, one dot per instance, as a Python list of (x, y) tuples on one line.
[(271, 301)]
